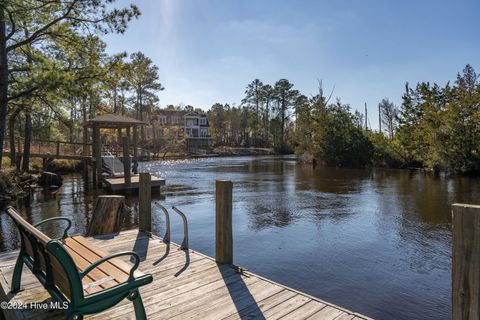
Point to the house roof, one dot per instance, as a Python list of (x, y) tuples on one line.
[(111, 120), (194, 114)]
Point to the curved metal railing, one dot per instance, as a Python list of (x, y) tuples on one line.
[(166, 237), (184, 245)]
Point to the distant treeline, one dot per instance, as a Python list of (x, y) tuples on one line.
[(435, 128), (56, 73)]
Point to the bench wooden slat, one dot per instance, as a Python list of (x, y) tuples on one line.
[(118, 263), (86, 253), (60, 279), (93, 276)]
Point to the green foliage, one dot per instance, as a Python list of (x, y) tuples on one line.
[(440, 128), (386, 153), (337, 140), (53, 54)]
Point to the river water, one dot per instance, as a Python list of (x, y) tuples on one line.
[(376, 241)]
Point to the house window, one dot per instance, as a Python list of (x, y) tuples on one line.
[(191, 122), (175, 119), (204, 133), (203, 121), (162, 119), (189, 132)]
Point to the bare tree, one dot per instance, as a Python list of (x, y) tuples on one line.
[(388, 116)]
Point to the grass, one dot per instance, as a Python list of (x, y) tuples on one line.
[(7, 179), (57, 165)]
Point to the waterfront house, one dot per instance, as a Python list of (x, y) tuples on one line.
[(171, 125)]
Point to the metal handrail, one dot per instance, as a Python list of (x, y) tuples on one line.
[(166, 237), (184, 245)]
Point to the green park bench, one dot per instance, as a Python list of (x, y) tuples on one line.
[(75, 271)]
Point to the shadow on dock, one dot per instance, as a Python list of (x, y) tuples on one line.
[(167, 251), (245, 303), (141, 245), (185, 266)]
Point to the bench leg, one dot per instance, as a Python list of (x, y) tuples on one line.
[(138, 305), (17, 275)]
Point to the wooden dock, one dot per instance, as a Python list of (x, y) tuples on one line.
[(118, 184), (186, 285)]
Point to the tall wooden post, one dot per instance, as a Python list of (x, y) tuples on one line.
[(127, 163), (129, 136), (97, 144), (145, 202), (223, 222), (466, 262), (85, 169), (119, 136), (135, 143), (85, 153)]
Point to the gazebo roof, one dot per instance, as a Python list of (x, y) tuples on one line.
[(111, 120)]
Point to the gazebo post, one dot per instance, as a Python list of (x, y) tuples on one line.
[(135, 143), (129, 135), (85, 153), (128, 131), (97, 143), (119, 137)]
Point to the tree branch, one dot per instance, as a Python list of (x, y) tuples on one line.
[(43, 29), (23, 93), (12, 21)]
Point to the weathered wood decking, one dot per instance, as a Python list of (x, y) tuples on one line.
[(186, 285), (117, 184)]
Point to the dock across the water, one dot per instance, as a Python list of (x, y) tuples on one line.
[(118, 184), (186, 285)]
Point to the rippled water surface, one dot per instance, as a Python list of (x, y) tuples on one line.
[(377, 242)]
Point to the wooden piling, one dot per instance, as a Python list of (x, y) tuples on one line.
[(145, 202), (108, 215), (466, 261), (135, 143), (127, 163), (223, 222), (97, 145)]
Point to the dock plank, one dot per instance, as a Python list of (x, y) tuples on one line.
[(307, 310), (187, 285), (255, 311)]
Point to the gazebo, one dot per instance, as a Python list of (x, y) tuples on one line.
[(112, 121)]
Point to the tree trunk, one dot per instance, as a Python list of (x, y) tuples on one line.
[(85, 129), (142, 128), (70, 129), (154, 137), (108, 215), (265, 124), (11, 135), (115, 100), (3, 82), (28, 140)]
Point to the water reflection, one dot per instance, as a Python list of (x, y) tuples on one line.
[(375, 241)]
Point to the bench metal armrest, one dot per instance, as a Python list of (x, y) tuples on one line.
[(115, 255), (65, 232)]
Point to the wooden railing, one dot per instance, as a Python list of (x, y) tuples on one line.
[(53, 147)]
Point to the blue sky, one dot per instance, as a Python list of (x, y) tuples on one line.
[(209, 50)]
